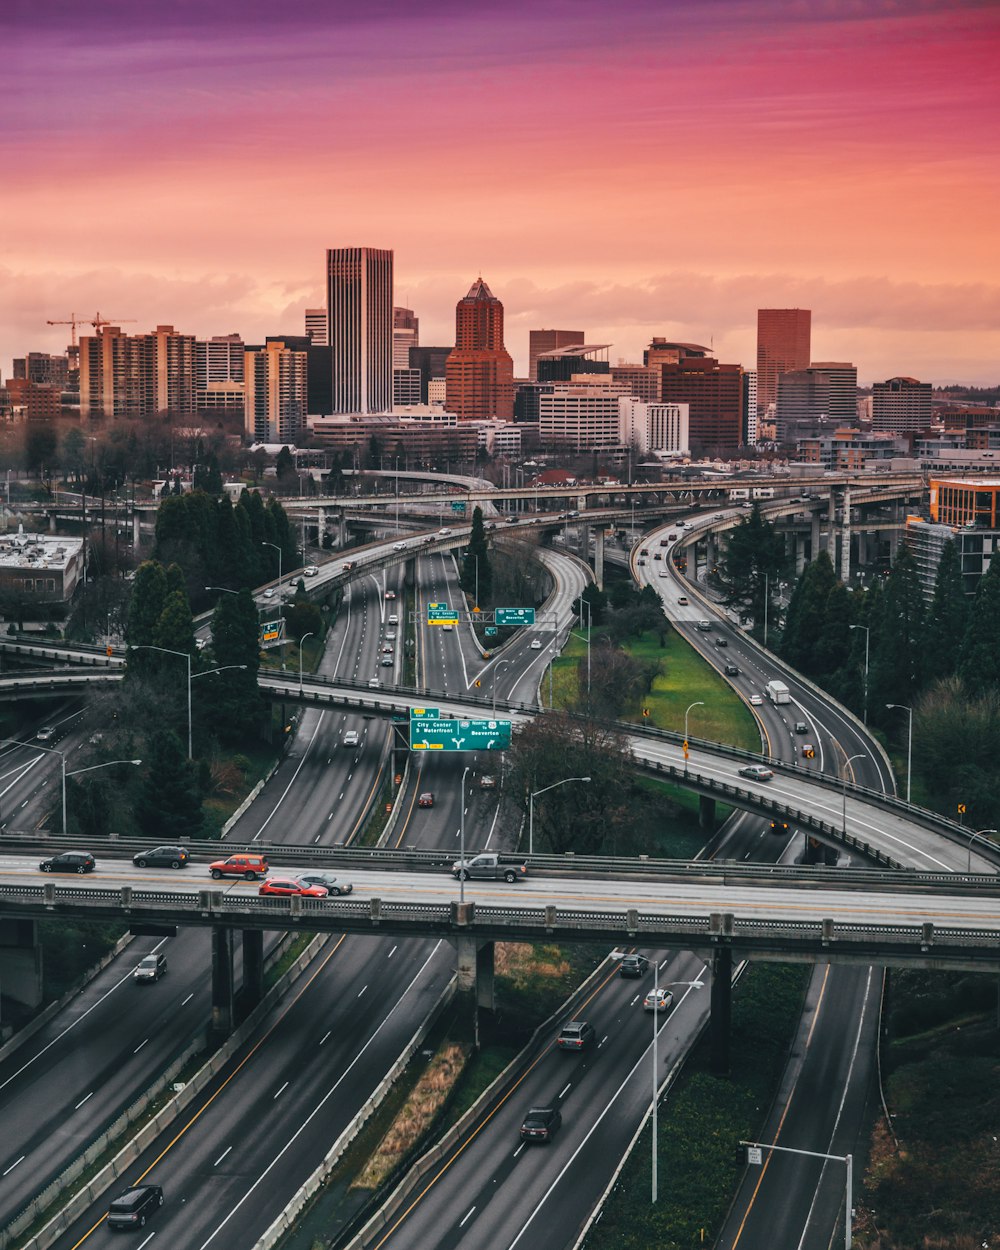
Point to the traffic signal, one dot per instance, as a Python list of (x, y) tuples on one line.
[(740, 1156)]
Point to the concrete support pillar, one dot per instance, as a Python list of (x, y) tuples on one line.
[(253, 967), (706, 812), (831, 528), (52, 521), (467, 963), (341, 529), (136, 530), (20, 962), (845, 540), (722, 1009), (484, 977), (599, 556), (814, 535), (320, 526), (222, 981), (800, 554)]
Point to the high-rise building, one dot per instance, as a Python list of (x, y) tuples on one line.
[(750, 407), (564, 363), (359, 304), (581, 415), (803, 400), (33, 401), (642, 381), (42, 367), (652, 429), (714, 395), (405, 388), (843, 389), (276, 379), (540, 341), (218, 373), (665, 352), (317, 327), (479, 373), (431, 363), (137, 375), (901, 404), (405, 335), (783, 343)]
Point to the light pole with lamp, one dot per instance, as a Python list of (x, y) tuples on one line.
[(531, 807), (264, 543), (909, 742), (847, 765), (461, 838), (694, 985), (699, 703), (310, 634), (185, 656), (978, 836), (864, 715), (496, 672), (65, 774)]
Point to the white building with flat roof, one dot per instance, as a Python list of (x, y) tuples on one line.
[(653, 429), (42, 568)]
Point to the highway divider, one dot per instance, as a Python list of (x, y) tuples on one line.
[(149, 1131)]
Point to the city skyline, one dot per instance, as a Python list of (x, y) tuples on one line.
[(640, 172)]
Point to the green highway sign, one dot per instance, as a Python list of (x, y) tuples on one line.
[(430, 734), (490, 631), (457, 505), (514, 616), (270, 632), (441, 614)]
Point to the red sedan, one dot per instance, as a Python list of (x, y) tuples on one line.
[(426, 799), (288, 886)]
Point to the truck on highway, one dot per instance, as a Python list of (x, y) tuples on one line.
[(489, 866), (777, 692)]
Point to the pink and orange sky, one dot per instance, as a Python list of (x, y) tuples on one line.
[(639, 168)]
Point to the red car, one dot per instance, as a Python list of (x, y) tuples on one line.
[(426, 799), (287, 886)]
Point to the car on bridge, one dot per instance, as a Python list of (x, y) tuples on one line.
[(69, 861), (658, 1000), (683, 600), (535, 644), (703, 627), (721, 642), (732, 670), (249, 867), (350, 738), (162, 857), (334, 886), (426, 799), (46, 734), (756, 700), (755, 772), (288, 886)]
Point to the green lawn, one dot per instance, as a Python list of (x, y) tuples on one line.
[(685, 678)]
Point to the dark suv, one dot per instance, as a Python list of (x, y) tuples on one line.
[(162, 857), (134, 1207), (633, 966)]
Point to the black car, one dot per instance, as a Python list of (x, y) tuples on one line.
[(540, 1124), (333, 885), (633, 966), (721, 642), (576, 1035), (732, 670), (69, 861), (162, 857), (134, 1207)]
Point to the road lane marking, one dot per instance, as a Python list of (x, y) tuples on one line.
[(468, 1216), (565, 1089), (280, 1091), (14, 1165), (140, 1046), (392, 952), (362, 990), (187, 1000), (83, 1100), (222, 1156), (325, 1036)]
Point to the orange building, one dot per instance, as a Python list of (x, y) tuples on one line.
[(783, 344), (479, 373), (965, 501)]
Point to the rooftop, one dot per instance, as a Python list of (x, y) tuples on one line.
[(35, 551)]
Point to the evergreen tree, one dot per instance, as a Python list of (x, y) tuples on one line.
[(169, 802), (477, 551), (979, 661), (948, 618), (598, 601), (833, 642), (806, 614), (755, 556), (897, 641), (233, 698), (175, 628), (149, 594), (262, 557)]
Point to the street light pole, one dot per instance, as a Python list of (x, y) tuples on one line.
[(978, 835), (847, 765), (51, 751), (531, 807), (461, 838), (909, 742), (310, 634), (864, 716), (699, 703), (184, 656)]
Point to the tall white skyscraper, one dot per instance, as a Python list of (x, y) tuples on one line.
[(359, 308)]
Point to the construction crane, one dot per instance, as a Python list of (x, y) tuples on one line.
[(96, 321)]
